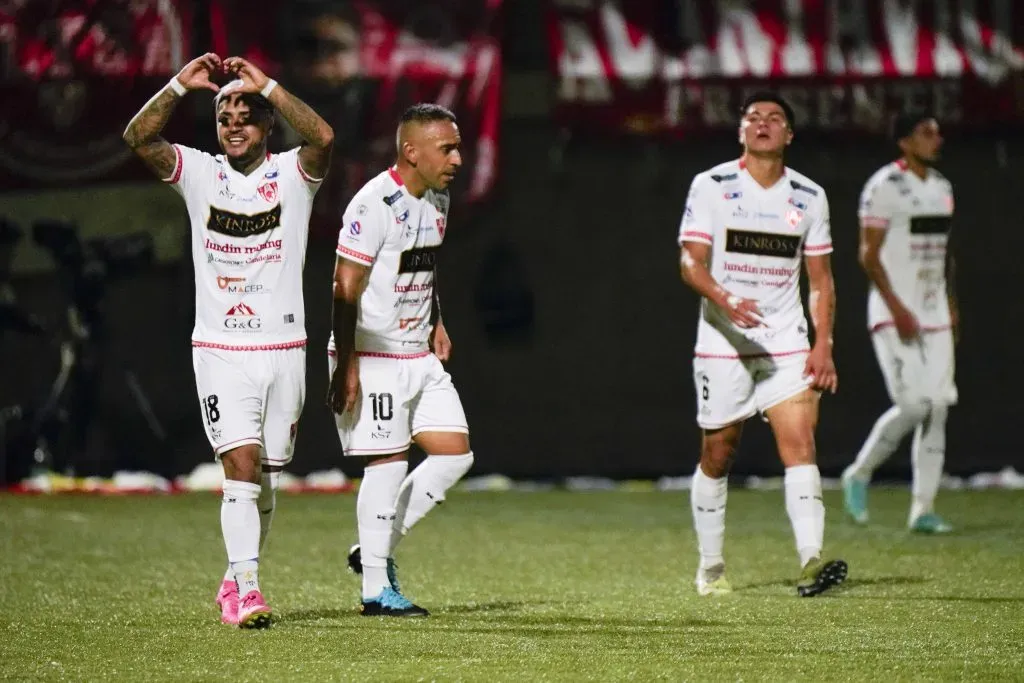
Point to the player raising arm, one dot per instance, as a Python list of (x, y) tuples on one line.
[(249, 213)]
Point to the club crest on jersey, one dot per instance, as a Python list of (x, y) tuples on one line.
[(441, 225), (793, 217), (733, 195), (268, 191)]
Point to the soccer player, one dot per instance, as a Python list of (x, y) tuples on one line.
[(249, 212), (906, 213), (388, 387), (746, 227)]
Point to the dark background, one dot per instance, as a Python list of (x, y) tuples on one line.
[(572, 332)]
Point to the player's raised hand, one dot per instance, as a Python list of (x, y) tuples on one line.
[(743, 312), (253, 79), (440, 342), (821, 369), (196, 74), (344, 390)]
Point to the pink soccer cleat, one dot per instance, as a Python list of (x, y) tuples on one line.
[(253, 612), (227, 600)]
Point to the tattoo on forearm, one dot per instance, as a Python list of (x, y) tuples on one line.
[(151, 119), (302, 118)]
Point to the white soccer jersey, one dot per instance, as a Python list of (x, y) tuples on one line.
[(917, 216), (398, 236), (757, 239), (249, 235)]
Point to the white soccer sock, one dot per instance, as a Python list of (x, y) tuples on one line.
[(707, 501), (928, 453), (240, 524), (424, 489), (265, 504), (375, 512), (884, 439), (806, 510)]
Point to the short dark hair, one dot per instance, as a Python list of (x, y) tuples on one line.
[(904, 123), (257, 103), (426, 112), (769, 96)]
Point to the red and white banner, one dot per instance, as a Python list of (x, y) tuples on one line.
[(675, 65), (73, 73), (360, 64)]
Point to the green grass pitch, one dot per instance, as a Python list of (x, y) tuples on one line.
[(522, 587)]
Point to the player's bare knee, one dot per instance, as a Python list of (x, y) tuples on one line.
[(443, 443), (798, 451), (718, 450), (242, 463)]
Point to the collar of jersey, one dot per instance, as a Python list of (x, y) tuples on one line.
[(227, 164), (742, 170)]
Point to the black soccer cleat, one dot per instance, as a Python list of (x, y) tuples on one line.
[(391, 603), (818, 576)]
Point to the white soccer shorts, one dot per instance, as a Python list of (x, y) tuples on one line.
[(918, 371), (251, 397), (730, 390), (401, 397)]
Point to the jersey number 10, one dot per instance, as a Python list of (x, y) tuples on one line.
[(383, 406)]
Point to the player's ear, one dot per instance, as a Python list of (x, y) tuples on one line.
[(410, 152)]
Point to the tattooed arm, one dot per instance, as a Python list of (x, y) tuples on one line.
[(315, 155), (143, 131)]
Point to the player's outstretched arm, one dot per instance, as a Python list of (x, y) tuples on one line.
[(693, 266), (315, 155), (143, 131), (823, 313), (350, 280)]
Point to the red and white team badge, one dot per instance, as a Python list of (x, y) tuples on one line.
[(793, 217), (441, 225), (268, 191)]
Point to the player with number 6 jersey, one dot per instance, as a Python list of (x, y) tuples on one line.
[(747, 228), (388, 386), (249, 215)]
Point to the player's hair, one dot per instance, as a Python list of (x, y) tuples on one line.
[(904, 123), (769, 96), (258, 104), (426, 112)]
